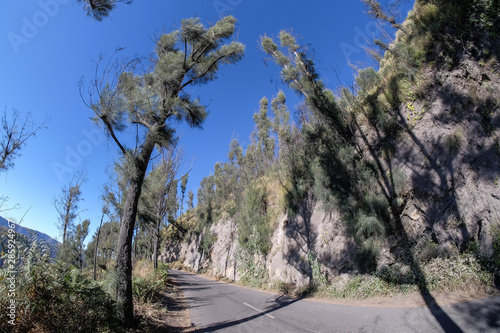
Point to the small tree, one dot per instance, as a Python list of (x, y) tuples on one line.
[(377, 11), (81, 232), (190, 202), (105, 211), (159, 198), (15, 133), (265, 143), (150, 100), (72, 253), (67, 205), (103, 250), (184, 181)]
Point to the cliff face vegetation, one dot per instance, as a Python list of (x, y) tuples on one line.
[(397, 177)]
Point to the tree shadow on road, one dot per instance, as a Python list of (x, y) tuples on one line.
[(483, 316), (278, 303)]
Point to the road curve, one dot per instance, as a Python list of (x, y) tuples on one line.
[(220, 307)]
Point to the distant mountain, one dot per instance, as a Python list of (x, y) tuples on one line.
[(26, 231)]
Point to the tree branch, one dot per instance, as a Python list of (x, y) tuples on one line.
[(111, 132), (205, 72)]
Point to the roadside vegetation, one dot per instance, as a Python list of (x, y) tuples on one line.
[(52, 296), (336, 148)]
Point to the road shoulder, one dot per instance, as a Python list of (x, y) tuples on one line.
[(407, 300)]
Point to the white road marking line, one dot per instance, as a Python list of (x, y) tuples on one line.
[(258, 310)]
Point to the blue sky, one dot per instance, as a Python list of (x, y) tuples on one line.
[(48, 45)]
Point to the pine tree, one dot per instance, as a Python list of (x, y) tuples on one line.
[(72, 252), (81, 233), (299, 72), (100, 9), (265, 143), (102, 250), (151, 101), (159, 198), (184, 181), (190, 202), (376, 10), (67, 205)]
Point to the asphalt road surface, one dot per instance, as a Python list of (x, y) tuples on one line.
[(219, 307)]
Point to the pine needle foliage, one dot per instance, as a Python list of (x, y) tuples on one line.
[(101, 9), (336, 173), (254, 232)]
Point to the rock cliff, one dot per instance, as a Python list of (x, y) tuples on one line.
[(438, 164)]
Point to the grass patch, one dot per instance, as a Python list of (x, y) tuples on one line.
[(453, 141), (462, 273)]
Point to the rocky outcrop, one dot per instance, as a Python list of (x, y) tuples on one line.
[(220, 261), (451, 159), (313, 237)]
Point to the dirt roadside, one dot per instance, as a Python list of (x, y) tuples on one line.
[(411, 299)]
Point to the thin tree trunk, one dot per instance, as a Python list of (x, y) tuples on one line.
[(155, 245), (124, 250), (124, 255), (96, 247), (151, 250), (66, 217)]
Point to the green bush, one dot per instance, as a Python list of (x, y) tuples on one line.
[(452, 274), (425, 251), (397, 274), (361, 286), (252, 268), (366, 256), (207, 242), (319, 277), (162, 272), (54, 298), (453, 141), (145, 289), (254, 227), (285, 288)]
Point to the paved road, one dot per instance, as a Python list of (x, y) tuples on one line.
[(220, 307)]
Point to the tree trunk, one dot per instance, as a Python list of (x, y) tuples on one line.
[(124, 251), (155, 245), (96, 247), (124, 254), (66, 217)]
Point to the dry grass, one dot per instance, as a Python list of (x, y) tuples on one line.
[(169, 313), (143, 269)]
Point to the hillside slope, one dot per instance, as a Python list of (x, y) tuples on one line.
[(26, 231), (27, 235), (404, 179)]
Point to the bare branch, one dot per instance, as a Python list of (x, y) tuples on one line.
[(14, 136), (3, 201), (99, 92)]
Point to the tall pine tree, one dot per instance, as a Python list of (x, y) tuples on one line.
[(151, 101)]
